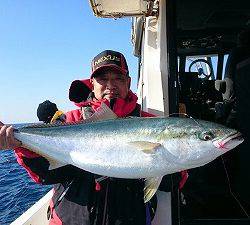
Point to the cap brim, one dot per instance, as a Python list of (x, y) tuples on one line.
[(110, 66)]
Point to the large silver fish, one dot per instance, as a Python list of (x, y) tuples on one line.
[(131, 148)]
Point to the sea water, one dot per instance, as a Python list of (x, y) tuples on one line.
[(17, 190)]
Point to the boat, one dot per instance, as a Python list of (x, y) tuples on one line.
[(182, 49)]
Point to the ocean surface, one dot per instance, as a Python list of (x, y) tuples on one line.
[(17, 190)]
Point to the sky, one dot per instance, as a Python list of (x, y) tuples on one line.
[(45, 45)]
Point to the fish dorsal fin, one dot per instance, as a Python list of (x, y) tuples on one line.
[(102, 113), (151, 186), (145, 146)]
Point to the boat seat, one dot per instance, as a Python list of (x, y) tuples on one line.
[(223, 108)]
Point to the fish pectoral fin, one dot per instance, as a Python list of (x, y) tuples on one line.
[(53, 164), (145, 146), (151, 186), (102, 113)]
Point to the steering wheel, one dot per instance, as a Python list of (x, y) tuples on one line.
[(200, 65)]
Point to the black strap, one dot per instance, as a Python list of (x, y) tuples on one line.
[(59, 199)]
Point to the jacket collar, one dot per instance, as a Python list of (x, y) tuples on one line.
[(121, 107)]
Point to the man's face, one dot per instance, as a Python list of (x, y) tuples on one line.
[(110, 84)]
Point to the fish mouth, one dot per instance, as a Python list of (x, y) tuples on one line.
[(230, 141)]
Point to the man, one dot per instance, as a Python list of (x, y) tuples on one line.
[(81, 197)]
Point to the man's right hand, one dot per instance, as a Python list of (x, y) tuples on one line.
[(7, 140)]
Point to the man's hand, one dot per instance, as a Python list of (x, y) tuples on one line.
[(7, 140)]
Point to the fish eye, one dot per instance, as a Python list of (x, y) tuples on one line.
[(206, 136)]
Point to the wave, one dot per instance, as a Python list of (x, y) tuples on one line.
[(17, 190)]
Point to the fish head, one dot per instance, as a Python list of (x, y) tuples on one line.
[(195, 142)]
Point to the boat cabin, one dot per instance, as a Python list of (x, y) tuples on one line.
[(185, 56)]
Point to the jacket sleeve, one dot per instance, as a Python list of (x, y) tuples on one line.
[(23, 154), (38, 167)]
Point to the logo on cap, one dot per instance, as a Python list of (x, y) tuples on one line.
[(106, 58), (110, 59)]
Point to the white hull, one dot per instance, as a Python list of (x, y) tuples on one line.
[(36, 214)]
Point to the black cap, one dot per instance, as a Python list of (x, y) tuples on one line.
[(46, 111), (109, 59)]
